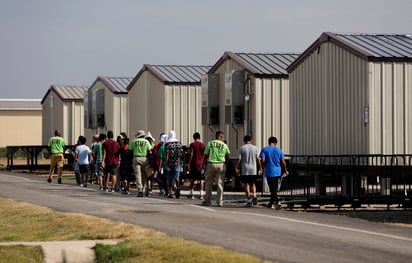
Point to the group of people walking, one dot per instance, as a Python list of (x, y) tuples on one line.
[(145, 162)]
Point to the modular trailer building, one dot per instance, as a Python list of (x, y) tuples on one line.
[(351, 94), (106, 106), (166, 97), (248, 93), (21, 122), (63, 109)]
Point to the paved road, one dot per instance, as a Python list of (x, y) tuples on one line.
[(283, 236)]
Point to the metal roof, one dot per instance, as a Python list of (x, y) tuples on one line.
[(173, 74), (371, 47), (260, 64), (68, 93), (381, 45), (268, 64), (181, 74), (116, 84), (20, 104)]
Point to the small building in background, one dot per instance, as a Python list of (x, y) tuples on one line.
[(63, 109), (351, 94), (21, 122), (106, 106), (248, 93), (166, 97)]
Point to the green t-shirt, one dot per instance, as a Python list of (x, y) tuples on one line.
[(217, 151), (162, 154), (140, 147), (97, 149), (56, 144)]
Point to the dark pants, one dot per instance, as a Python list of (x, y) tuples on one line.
[(273, 187)]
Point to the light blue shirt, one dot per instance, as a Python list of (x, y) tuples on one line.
[(83, 152)]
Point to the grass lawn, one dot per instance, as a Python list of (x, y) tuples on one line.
[(26, 222)]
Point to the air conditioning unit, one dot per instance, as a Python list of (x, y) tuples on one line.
[(234, 97), (210, 99)]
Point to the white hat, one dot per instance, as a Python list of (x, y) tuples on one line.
[(149, 136), (140, 133), (171, 137)]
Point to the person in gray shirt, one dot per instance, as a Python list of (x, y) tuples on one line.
[(248, 160)]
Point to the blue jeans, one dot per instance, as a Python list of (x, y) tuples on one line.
[(173, 172)]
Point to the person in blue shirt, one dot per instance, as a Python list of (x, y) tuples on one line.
[(272, 161)]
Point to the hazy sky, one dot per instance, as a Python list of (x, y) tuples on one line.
[(71, 42)]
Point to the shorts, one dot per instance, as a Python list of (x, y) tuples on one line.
[(99, 169), (248, 179), (196, 175), (84, 168), (173, 172), (111, 169)]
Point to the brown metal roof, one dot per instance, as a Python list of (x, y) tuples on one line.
[(20, 104), (371, 47), (68, 93)]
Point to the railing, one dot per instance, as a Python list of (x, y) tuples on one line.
[(348, 179)]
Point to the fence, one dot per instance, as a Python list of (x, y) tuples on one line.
[(348, 179)]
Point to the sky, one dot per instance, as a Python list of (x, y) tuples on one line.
[(71, 42)]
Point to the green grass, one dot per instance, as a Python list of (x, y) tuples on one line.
[(26, 222)]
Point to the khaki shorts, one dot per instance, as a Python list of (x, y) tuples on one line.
[(56, 158)]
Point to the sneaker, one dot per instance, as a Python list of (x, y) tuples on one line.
[(81, 185), (59, 181), (275, 207), (177, 193), (107, 190), (169, 196), (219, 205), (190, 196), (101, 189), (85, 185), (201, 197), (49, 180), (254, 200), (206, 203), (146, 192), (140, 194), (162, 192), (248, 204)]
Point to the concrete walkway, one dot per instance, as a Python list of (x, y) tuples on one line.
[(80, 251)]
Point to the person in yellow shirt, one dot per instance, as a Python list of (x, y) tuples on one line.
[(56, 147)]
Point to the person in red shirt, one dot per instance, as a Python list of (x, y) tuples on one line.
[(196, 165), (110, 161)]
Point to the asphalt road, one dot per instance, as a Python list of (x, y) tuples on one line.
[(284, 236)]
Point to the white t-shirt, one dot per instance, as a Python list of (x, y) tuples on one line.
[(83, 152)]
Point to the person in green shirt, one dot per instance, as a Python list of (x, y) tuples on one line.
[(98, 157), (140, 146), (56, 147), (216, 154)]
